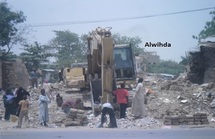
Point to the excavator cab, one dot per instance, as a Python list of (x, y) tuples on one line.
[(124, 63)]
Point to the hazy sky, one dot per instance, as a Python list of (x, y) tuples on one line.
[(175, 29)]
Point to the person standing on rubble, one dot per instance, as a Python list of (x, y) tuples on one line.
[(60, 75), (34, 79), (48, 89), (8, 99), (24, 106), (43, 108), (122, 99), (59, 100), (138, 106), (20, 93)]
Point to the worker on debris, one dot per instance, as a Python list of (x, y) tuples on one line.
[(138, 106), (60, 75), (59, 100), (108, 108), (70, 103), (19, 96), (48, 89), (96, 77), (43, 108), (34, 79), (39, 74), (8, 99), (122, 99), (24, 106)]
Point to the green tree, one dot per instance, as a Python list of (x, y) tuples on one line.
[(185, 60), (34, 55), (84, 46), (9, 56), (71, 48), (169, 67), (134, 41), (10, 34), (209, 29)]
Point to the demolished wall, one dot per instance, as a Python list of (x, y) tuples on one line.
[(9, 79), (14, 74), (202, 64), (209, 63), (22, 73)]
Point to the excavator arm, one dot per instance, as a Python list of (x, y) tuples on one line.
[(101, 65)]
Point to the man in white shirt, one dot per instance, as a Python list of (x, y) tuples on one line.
[(48, 89), (108, 108)]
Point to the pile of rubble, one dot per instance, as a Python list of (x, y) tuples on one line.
[(128, 123), (180, 97), (76, 117), (199, 118), (174, 99)]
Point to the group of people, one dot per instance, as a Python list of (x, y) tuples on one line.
[(137, 109), (17, 103), (11, 101)]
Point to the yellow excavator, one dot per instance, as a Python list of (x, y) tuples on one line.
[(75, 76), (108, 66)]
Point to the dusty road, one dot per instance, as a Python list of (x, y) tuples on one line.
[(83, 133)]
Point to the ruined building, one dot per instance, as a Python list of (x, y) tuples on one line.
[(13, 74), (145, 59), (202, 64)]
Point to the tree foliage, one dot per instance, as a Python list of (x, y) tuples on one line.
[(209, 29), (9, 56), (168, 67), (134, 41), (70, 46), (34, 55), (10, 34), (185, 60)]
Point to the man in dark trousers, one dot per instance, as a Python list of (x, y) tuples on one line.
[(107, 108), (8, 99), (59, 100), (60, 75), (122, 99)]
